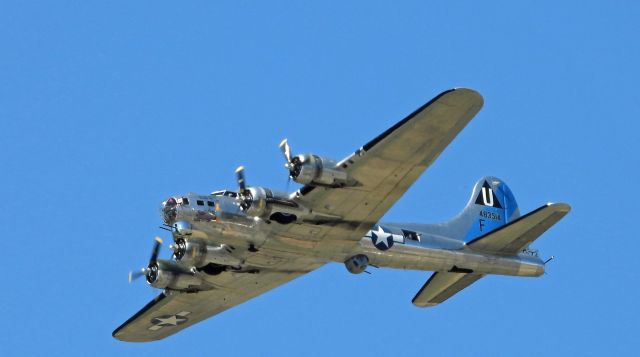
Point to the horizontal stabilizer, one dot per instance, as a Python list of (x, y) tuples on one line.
[(517, 235), (443, 285)]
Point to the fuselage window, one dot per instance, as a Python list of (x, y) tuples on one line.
[(200, 202), (210, 204), (185, 200)]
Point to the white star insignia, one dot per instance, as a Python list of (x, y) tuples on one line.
[(172, 320), (381, 237)]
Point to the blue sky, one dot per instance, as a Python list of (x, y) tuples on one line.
[(108, 108)]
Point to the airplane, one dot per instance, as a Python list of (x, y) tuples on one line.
[(231, 246)]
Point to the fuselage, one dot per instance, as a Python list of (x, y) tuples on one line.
[(220, 220)]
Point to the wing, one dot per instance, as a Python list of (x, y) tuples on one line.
[(386, 167), (170, 313), (443, 285), (513, 237)]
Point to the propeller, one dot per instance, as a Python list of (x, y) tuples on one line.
[(243, 194), (286, 151), (133, 275), (293, 164)]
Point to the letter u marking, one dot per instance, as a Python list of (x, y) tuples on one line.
[(487, 201)]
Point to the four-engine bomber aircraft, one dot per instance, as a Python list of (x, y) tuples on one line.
[(232, 246)]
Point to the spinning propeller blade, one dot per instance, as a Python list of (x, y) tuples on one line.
[(133, 275), (240, 178), (286, 150), (155, 251)]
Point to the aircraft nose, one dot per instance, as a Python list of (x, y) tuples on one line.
[(168, 210)]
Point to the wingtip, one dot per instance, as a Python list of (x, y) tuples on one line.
[(560, 206), (424, 304), (117, 334), (463, 89), (472, 93)]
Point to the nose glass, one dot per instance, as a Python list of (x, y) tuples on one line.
[(168, 210)]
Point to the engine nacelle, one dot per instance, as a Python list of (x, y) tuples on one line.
[(171, 275), (357, 264), (197, 252), (256, 203), (263, 202), (317, 171)]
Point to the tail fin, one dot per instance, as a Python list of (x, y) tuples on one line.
[(491, 206)]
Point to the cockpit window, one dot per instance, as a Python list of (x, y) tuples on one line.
[(224, 193), (185, 201), (200, 202)]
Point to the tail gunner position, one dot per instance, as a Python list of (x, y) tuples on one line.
[(229, 247)]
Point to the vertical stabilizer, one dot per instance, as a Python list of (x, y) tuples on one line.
[(491, 206)]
